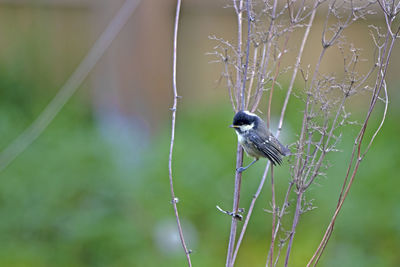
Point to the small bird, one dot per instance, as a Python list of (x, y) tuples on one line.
[(256, 140)]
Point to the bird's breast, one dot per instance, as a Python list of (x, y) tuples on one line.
[(241, 138)]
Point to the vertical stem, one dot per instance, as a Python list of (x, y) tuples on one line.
[(271, 250), (239, 150), (174, 198), (236, 198), (294, 225), (297, 65), (271, 91), (253, 201), (246, 66), (239, 13), (265, 59), (252, 76)]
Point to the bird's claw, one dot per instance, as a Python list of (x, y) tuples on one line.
[(241, 169)]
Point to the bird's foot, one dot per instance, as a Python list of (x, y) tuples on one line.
[(241, 169)]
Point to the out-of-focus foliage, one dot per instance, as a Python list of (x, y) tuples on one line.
[(67, 202)]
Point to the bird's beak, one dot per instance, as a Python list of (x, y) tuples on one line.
[(233, 126)]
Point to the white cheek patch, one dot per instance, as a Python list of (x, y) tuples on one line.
[(245, 128)]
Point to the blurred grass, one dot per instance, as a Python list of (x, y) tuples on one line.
[(66, 202)]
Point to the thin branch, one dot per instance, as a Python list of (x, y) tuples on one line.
[(252, 76), (239, 150), (229, 82), (386, 100), (294, 225), (265, 59), (329, 136), (270, 257), (246, 65), (30, 134), (296, 66), (285, 205), (246, 221), (174, 200), (236, 198), (239, 13), (277, 69)]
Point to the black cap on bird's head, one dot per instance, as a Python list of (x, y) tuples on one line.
[(244, 118)]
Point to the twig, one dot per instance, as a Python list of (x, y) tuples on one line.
[(230, 213), (246, 65), (239, 150), (274, 210), (246, 221), (285, 205), (173, 121), (30, 134), (236, 198), (296, 66), (265, 59), (271, 91), (239, 13), (294, 225), (252, 77), (229, 82)]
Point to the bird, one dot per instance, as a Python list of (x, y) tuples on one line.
[(256, 139)]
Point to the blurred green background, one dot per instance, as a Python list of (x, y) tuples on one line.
[(93, 190)]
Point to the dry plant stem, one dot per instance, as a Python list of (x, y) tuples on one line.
[(282, 212), (280, 124), (271, 250), (342, 198), (265, 59), (230, 86), (297, 65), (310, 106), (294, 225), (301, 145), (382, 121), (325, 46), (300, 162), (239, 14), (305, 37), (319, 162), (297, 212), (252, 76), (246, 222), (31, 133), (239, 151), (173, 121), (271, 91), (236, 199), (358, 143), (279, 254), (246, 65)]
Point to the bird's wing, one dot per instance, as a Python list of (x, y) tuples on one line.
[(266, 134), (270, 149)]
